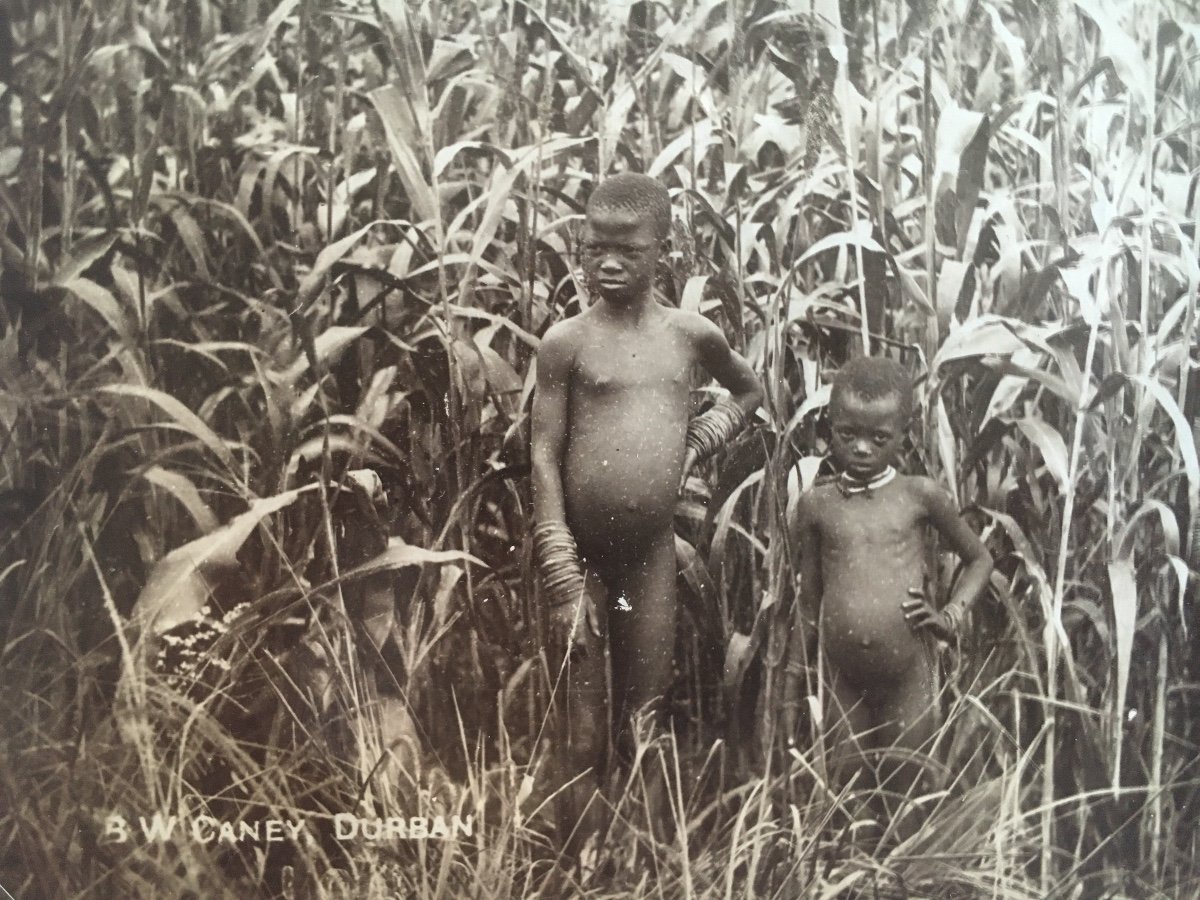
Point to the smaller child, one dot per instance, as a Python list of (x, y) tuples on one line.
[(861, 537)]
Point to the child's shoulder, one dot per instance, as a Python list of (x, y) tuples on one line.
[(564, 334), (559, 347), (923, 489), (823, 491), (692, 324)]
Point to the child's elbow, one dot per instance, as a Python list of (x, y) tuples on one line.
[(753, 397)]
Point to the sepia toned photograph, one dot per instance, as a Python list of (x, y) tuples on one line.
[(570, 449)]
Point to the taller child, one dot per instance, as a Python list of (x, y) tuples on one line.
[(611, 448)]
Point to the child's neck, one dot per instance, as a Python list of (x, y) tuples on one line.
[(849, 484), (633, 312)]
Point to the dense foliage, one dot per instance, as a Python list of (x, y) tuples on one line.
[(273, 279)]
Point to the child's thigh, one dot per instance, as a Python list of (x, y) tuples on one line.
[(907, 710), (641, 619), (846, 717)]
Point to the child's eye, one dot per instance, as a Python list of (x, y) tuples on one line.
[(594, 250), (882, 439)]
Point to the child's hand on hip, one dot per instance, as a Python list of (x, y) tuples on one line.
[(920, 614)]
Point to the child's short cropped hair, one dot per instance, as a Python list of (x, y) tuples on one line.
[(873, 378), (641, 194)]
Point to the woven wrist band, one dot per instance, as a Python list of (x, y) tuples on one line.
[(558, 562), (955, 615), (710, 431)]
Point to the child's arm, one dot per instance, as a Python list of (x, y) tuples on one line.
[(944, 516), (707, 433), (806, 539), (554, 545)]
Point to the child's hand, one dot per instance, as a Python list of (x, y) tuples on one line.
[(689, 460), (921, 615), (569, 626)]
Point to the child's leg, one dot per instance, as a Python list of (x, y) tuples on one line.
[(909, 711), (643, 636), (846, 719), (848, 737), (582, 725), (643, 645), (909, 716)]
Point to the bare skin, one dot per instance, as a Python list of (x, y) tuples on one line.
[(862, 576), (609, 420)]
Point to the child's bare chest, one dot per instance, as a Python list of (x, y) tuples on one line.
[(630, 362), (866, 525)]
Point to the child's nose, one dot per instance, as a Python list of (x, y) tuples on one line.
[(610, 265)]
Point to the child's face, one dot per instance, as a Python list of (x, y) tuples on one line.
[(620, 253), (866, 433)]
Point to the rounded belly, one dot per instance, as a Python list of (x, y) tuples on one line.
[(867, 653), (621, 480), (863, 626)]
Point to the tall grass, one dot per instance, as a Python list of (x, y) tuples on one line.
[(273, 278)]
